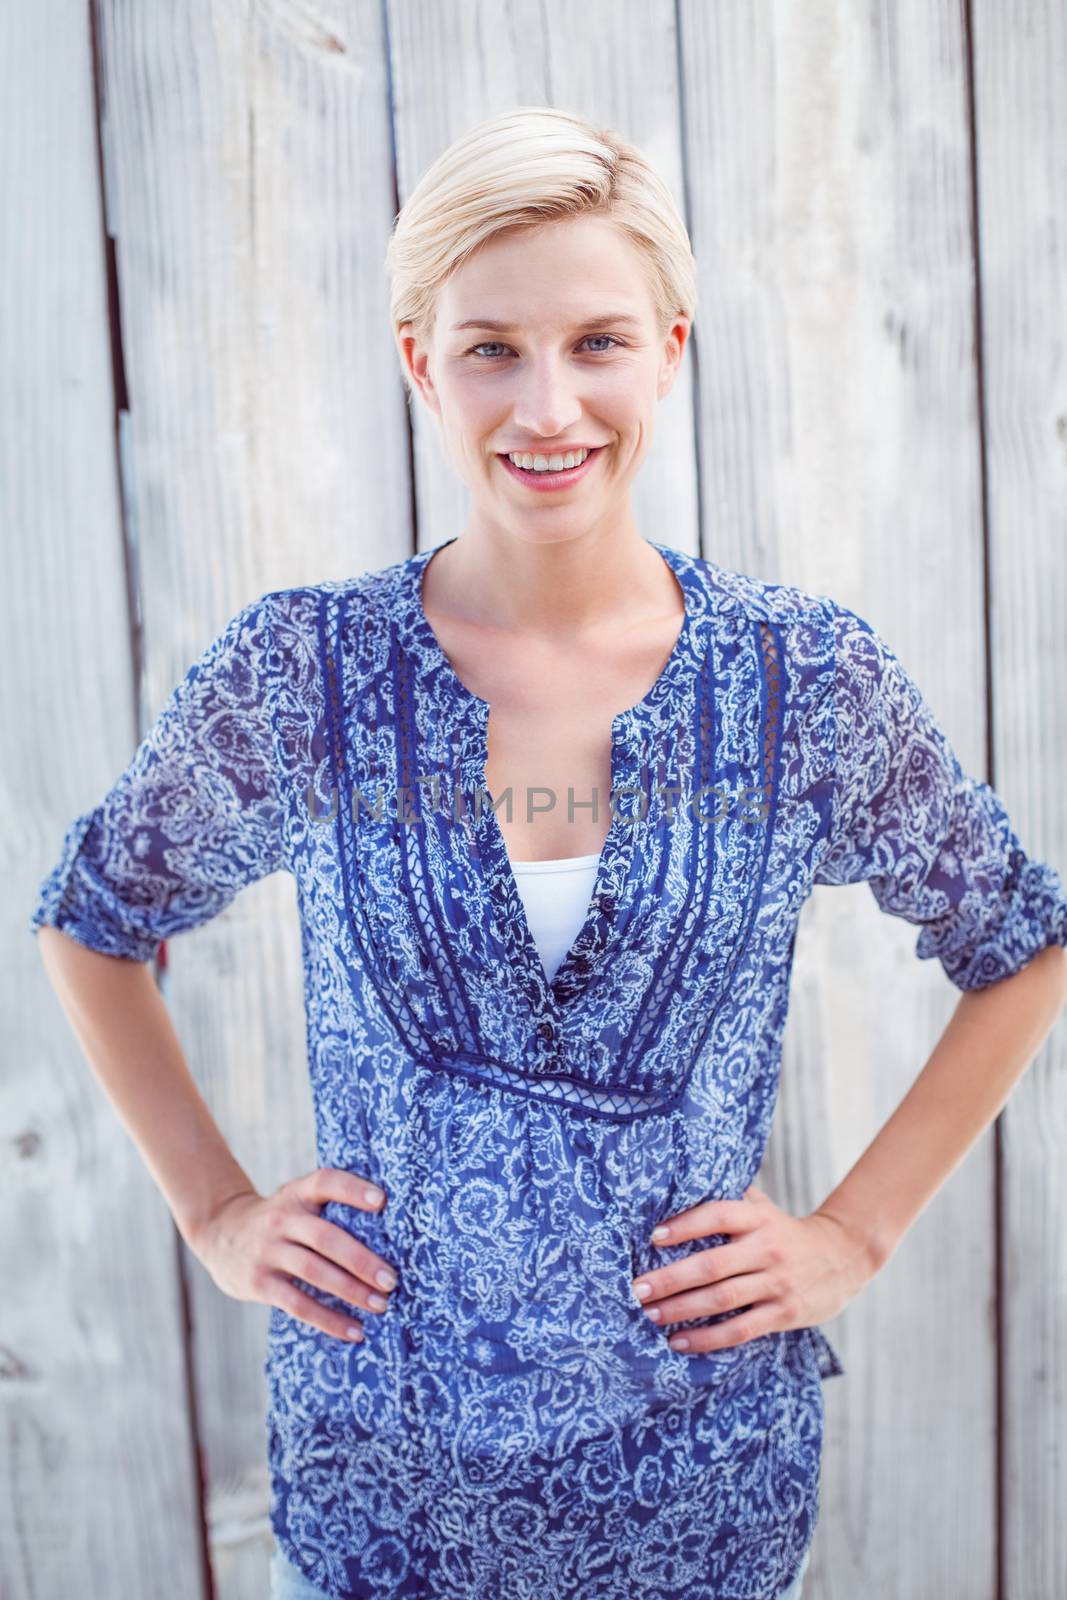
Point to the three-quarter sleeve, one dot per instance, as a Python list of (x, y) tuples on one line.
[(195, 816), (935, 845)]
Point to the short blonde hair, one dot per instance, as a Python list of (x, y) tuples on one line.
[(524, 168)]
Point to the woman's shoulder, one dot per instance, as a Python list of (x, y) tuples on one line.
[(361, 589), (764, 600), (304, 607)]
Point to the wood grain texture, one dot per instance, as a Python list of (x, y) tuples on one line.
[(250, 191), (1021, 68), (839, 450), (862, 354), (98, 1482)]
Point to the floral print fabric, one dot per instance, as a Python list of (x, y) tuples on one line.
[(514, 1424)]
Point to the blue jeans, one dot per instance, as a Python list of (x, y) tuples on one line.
[(793, 1592), (288, 1582)]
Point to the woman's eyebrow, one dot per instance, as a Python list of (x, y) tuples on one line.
[(610, 320)]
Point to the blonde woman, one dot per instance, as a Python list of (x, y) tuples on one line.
[(554, 795)]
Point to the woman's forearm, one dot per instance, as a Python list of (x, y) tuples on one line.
[(124, 1028), (991, 1038)]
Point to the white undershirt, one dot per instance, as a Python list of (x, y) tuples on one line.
[(556, 895)]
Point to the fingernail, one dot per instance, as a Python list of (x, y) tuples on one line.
[(377, 1302), (386, 1279), (353, 1332), (680, 1343), (661, 1232), (372, 1195), (642, 1290), (654, 1313)]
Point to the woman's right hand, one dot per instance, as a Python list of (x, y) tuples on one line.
[(254, 1243)]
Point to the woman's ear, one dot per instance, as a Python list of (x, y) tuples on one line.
[(416, 359), (674, 348)]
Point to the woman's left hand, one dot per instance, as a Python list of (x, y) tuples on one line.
[(791, 1272)]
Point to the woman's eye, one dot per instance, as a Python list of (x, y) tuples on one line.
[(491, 344)]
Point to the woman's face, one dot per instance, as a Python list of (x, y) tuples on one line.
[(576, 360)]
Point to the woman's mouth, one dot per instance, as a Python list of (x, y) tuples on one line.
[(552, 480)]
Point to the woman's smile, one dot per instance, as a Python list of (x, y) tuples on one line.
[(542, 481)]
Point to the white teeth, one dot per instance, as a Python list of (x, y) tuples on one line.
[(549, 463)]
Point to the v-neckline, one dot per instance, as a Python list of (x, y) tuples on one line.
[(613, 862)]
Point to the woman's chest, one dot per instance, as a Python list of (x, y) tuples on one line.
[(549, 763), (409, 867)]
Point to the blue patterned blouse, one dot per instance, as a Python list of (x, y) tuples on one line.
[(514, 1424)]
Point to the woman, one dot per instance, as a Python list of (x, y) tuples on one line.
[(544, 1031)]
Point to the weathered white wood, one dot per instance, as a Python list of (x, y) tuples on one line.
[(825, 424), (1020, 72), (250, 192), (828, 151), (98, 1482)]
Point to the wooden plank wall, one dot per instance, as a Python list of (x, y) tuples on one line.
[(873, 405)]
